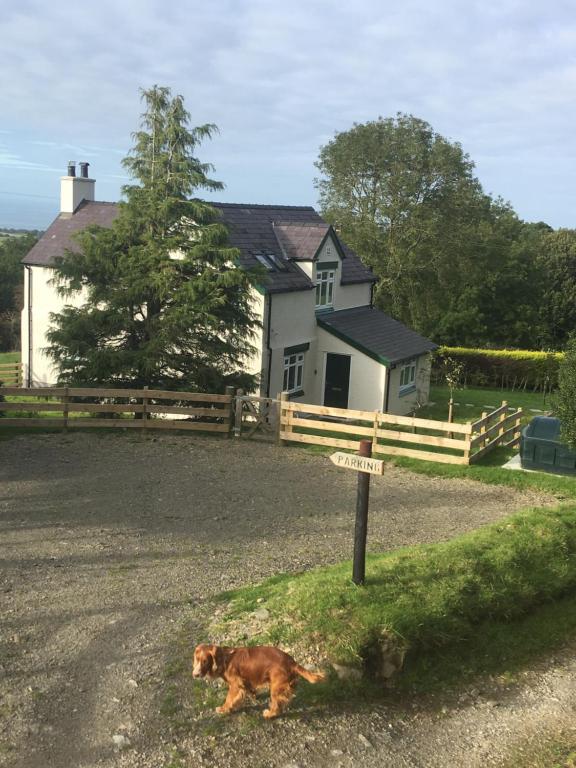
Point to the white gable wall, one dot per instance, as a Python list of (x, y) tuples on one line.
[(41, 296)]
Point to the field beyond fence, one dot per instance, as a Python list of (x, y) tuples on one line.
[(425, 439)]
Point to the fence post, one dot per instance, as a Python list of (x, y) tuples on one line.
[(517, 427), (503, 416), (66, 402), (283, 397), (238, 413), (483, 429), (230, 393), (451, 415), (145, 409), (375, 435)]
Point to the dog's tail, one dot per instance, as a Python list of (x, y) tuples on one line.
[(312, 677)]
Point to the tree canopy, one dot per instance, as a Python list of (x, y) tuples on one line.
[(12, 251), (163, 302), (452, 262)]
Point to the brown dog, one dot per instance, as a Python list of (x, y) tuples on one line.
[(247, 669)]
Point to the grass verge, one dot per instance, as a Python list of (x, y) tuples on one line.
[(424, 601)]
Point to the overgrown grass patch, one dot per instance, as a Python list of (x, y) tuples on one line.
[(422, 600)]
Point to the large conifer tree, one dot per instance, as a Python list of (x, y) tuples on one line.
[(165, 303)]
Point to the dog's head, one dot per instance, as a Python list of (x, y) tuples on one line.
[(208, 661)]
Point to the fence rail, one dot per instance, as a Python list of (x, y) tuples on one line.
[(425, 439), (139, 409), (10, 374)]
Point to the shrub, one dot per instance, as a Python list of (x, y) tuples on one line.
[(566, 403)]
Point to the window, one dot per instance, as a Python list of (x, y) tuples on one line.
[(265, 261), (324, 286), (293, 372), (408, 376)]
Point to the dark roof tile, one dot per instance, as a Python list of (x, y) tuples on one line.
[(59, 235), (376, 334), (287, 232)]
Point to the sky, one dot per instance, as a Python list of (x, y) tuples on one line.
[(279, 80)]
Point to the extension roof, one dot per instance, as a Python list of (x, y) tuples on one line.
[(289, 234), (375, 334)]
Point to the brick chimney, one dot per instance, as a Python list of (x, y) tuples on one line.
[(74, 189)]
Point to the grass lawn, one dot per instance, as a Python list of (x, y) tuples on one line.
[(9, 357), (471, 402)]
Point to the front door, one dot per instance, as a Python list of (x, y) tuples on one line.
[(337, 380)]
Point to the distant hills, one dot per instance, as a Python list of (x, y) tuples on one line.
[(7, 232)]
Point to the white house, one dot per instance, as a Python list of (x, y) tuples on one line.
[(321, 339)]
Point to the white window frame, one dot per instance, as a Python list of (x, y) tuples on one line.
[(325, 277), (293, 366), (408, 376)]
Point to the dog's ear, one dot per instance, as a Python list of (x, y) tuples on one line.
[(217, 659)]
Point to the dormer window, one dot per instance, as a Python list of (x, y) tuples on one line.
[(325, 278)]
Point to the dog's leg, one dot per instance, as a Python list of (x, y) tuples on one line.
[(234, 698), (280, 695)]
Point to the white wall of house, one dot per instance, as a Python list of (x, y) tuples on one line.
[(42, 297), (356, 295), (403, 404), (292, 322), (256, 364), (367, 388)]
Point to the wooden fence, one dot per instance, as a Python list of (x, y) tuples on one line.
[(118, 408), (426, 439), (500, 427), (10, 374)]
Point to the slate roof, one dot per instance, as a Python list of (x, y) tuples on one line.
[(292, 234), (289, 233), (374, 333), (58, 236)]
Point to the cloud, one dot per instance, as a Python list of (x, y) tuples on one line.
[(279, 79)]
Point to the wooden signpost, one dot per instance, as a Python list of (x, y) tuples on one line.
[(365, 466)]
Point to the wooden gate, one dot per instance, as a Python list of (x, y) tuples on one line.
[(254, 415)]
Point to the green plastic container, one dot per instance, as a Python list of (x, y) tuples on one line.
[(542, 449)]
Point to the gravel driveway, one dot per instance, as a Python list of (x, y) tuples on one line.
[(109, 543)]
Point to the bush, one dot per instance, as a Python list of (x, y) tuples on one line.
[(422, 598), (566, 403), (505, 369)]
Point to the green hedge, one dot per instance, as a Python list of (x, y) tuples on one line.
[(508, 369), (422, 597)]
